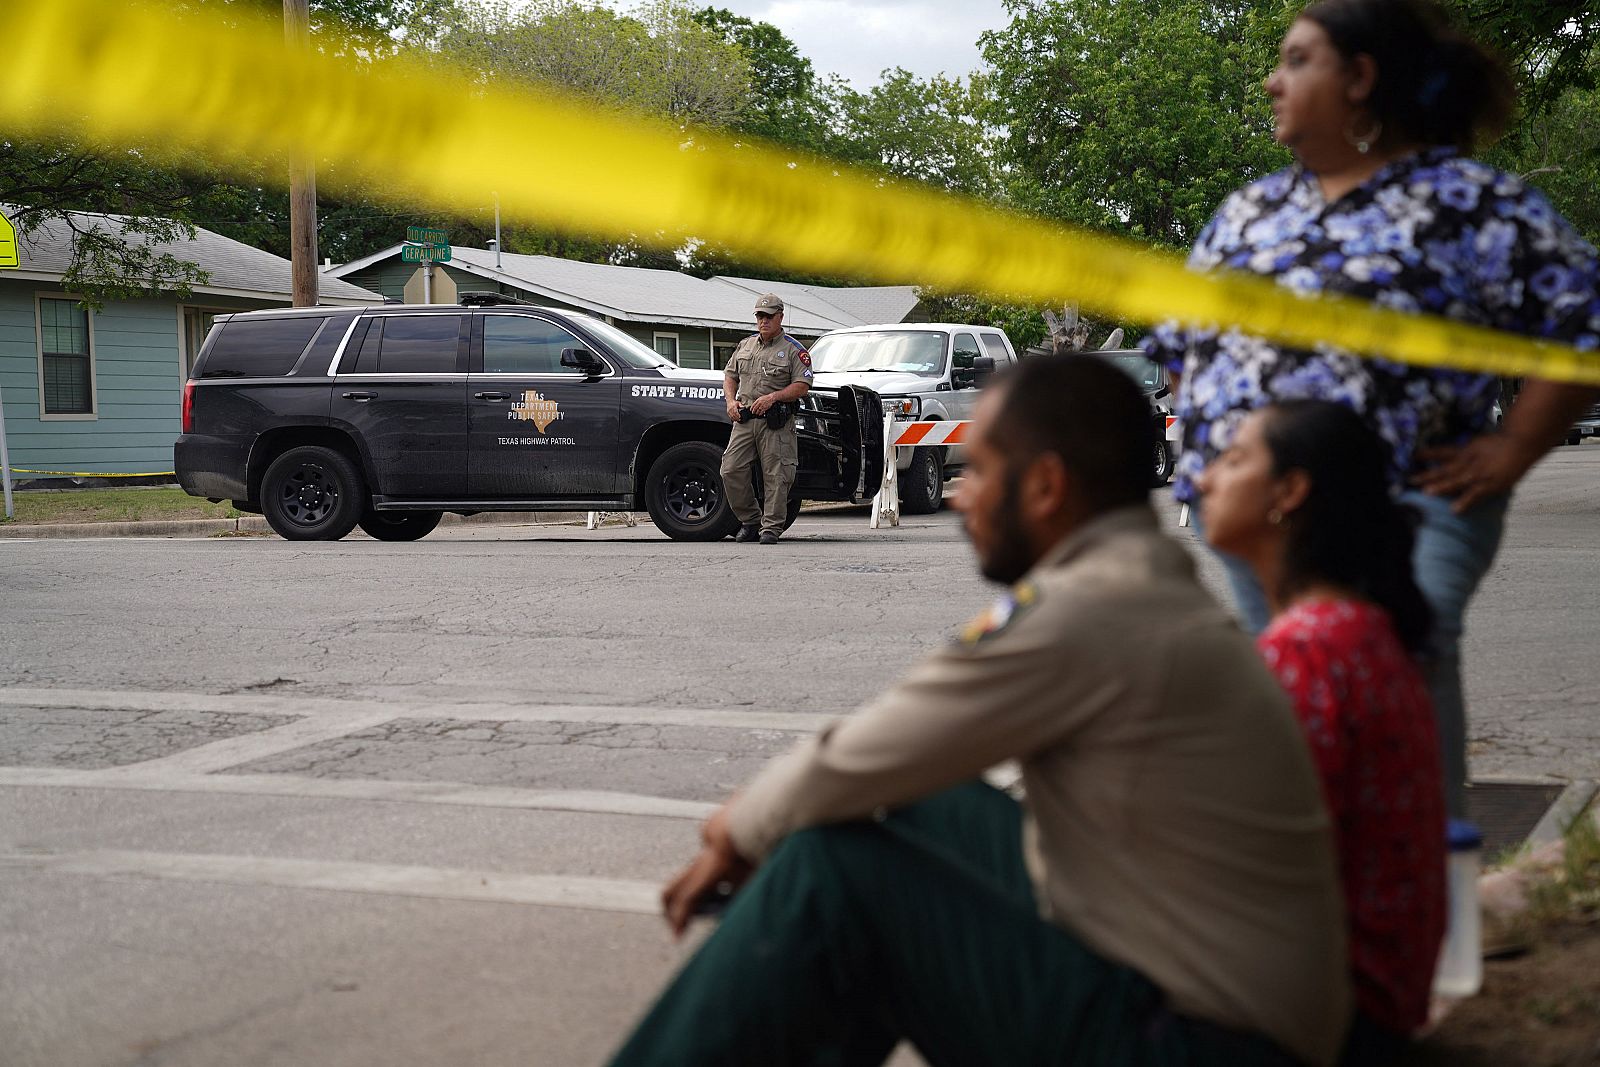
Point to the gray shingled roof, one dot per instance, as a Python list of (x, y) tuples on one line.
[(236, 269), (637, 294), (862, 305)]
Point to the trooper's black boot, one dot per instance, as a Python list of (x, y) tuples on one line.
[(768, 537), (746, 533)]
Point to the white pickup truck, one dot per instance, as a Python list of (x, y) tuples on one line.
[(928, 371)]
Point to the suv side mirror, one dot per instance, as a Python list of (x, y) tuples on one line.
[(582, 359), (983, 364)]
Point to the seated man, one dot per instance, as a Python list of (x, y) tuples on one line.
[(1168, 894)]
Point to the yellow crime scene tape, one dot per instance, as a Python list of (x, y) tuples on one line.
[(230, 90), (94, 474)]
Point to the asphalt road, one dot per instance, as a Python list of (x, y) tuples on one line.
[(360, 803)]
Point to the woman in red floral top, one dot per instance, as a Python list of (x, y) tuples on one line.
[(1302, 496)]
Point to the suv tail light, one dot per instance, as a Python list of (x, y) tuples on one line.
[(188, 406)]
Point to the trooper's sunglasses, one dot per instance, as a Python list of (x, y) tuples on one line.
[(765, 314)]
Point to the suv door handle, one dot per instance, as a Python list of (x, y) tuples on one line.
[(491, 396), (358, 396)]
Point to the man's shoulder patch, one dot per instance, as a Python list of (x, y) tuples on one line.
[(1001, 614)]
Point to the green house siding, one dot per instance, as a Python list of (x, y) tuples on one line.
[(137, 373)]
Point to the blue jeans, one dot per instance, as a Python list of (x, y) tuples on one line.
[(1452, 554)]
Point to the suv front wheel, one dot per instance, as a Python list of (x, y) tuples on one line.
[(683, 493), (312, 493)]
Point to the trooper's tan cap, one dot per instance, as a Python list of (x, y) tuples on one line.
[(769, 302)]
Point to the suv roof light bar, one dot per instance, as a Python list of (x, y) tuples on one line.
[(481, 298)]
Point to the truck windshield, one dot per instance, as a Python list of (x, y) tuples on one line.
[(906, 351), (1138, 366), (630, 350)]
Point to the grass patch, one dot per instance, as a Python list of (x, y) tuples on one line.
[(1572, 893), (37, 507)]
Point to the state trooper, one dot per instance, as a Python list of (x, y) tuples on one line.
[(765, 378)]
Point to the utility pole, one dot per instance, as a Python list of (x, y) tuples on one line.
[(302, 181)]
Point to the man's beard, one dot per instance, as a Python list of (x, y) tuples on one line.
[(1011, 555)]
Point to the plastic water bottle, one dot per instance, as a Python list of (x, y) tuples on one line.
[(1460, 972)]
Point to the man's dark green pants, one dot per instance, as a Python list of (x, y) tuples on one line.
[(920, 926)]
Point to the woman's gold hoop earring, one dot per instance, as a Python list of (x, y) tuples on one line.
[(1363, 141)]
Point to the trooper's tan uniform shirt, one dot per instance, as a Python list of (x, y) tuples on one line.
[(1173, 821), (763, 367)]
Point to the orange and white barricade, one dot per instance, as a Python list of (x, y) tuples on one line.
[(896, 434)]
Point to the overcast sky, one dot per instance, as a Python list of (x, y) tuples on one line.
[(860, 38)]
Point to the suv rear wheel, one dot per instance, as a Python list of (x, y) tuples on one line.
[(399, 525), (312, 493)]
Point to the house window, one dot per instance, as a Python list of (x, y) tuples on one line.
[(667, 345), (721, 352), (66, 374)]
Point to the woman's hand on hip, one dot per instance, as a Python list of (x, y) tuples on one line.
[(1486, 466)]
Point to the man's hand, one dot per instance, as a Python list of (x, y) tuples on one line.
[(1483, 467), (760, 404), (733, 410), (718, 861)]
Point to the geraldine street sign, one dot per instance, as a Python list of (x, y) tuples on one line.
[(425, 245)]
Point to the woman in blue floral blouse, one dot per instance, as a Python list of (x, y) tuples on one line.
[(1378, 99)]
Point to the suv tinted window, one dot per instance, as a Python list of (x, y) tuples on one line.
[(519, 344), (996, 347), (259, 348), (413, 344)]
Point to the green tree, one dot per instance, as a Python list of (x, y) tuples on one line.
[(658, 60), (787, 104), (1550, 43), (929, 130), (1135, 116)]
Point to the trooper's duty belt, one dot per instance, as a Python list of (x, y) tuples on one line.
[(777, 416)]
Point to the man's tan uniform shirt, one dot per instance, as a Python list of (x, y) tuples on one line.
[(762, 367), (1174, 822)]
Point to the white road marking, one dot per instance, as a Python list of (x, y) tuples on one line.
[(246, 748), (314, 707), (439, 883), (136, 777)]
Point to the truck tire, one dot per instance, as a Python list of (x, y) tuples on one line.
[(399, 525), (922, 485), (312, 493), (1164, 462), (683, 493)]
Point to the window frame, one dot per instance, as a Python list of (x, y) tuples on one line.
[(93, 414), (185, 363), (677, 346)]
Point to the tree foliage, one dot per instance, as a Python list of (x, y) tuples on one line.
[(1136, 116), (784, 104), (658, 60), (1550, 43), (931, 130)]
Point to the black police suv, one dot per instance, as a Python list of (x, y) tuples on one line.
[(324, 419)]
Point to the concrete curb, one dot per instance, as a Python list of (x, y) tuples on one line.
[(255, 524)]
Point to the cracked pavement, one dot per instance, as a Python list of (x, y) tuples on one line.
[(92, 738), (673, 761)]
